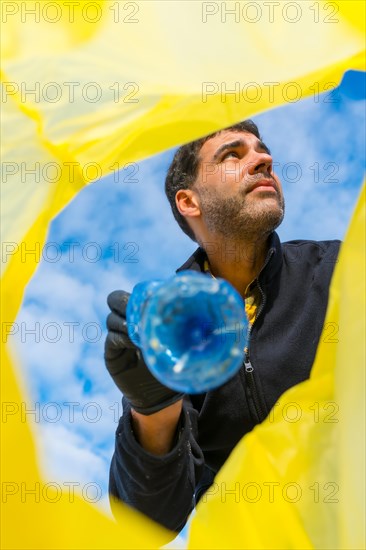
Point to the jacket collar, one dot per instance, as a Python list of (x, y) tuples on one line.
[(271, 266)]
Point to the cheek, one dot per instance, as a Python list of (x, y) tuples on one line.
[(230, 171)]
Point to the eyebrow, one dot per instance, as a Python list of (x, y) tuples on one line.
[(238, 143)]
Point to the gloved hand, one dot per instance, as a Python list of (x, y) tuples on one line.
[(126, 365)]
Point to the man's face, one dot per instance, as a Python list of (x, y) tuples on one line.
[(239, 194)]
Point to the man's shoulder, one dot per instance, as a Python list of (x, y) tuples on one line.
[(291, 250), (312, 245), (332, 243), (311, 250)]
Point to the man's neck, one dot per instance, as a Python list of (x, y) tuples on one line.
[(239, 262)]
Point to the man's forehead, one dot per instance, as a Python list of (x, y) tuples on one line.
[(227, 136)]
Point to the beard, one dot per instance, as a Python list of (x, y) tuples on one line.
[(243, 217)]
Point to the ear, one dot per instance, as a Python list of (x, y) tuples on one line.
[(187, 203)]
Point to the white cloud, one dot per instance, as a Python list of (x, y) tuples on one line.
[(75, 422), (319, 144), (70, 461)]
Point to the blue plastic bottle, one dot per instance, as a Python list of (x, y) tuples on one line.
[(192, 330)]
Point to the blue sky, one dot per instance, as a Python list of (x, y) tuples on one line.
[(119, 231)]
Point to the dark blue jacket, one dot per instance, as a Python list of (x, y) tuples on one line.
[(294, 285)]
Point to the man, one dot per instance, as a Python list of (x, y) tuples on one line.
[(225, 196)]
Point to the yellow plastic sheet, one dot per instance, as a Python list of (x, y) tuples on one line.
[(41, 515), (90, 86), (298, 480)]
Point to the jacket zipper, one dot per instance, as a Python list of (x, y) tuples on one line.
[(249, 376)]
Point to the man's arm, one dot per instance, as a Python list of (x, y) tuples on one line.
[(157, 459), (159, 485), (156, 432)]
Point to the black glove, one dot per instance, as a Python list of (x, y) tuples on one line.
[(126, 365)]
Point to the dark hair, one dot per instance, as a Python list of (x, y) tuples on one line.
[(182, 172)]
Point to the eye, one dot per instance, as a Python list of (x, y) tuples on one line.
[(229, 154)]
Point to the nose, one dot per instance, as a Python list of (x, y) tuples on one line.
[(260, 162)]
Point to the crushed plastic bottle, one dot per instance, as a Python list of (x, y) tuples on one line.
[(191, 329)]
